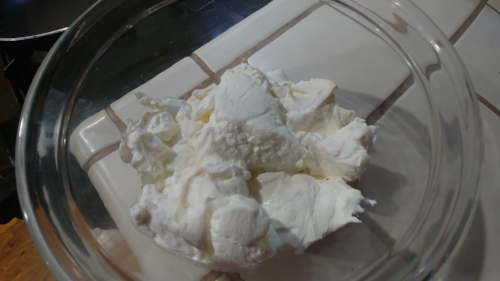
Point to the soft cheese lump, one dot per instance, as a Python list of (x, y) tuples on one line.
[(254, 167)]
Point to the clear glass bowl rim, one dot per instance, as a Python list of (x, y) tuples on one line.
[(31, 205)]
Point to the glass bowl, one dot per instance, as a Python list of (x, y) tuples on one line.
[(391, 63)]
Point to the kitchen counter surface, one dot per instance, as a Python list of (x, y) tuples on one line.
[(19, 259)]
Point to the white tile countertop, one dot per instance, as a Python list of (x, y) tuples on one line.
[(473, 26)]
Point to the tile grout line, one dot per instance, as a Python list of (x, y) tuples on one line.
[(377, 230), (375, 115), (207, 82), (204, 66), (378, 112), (99, 156), (214, 275), (399, 26), (214, 77), (111, 148), (489, 105), (493, 8), (467, 23), (118, 122), (266, 41), (353, 19), (461, 31)]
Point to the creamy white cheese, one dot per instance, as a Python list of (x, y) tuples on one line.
[(248, 169), (304, 208)]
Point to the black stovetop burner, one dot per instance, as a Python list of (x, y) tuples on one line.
[(19, 64), (10, 108), (28, 29)]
